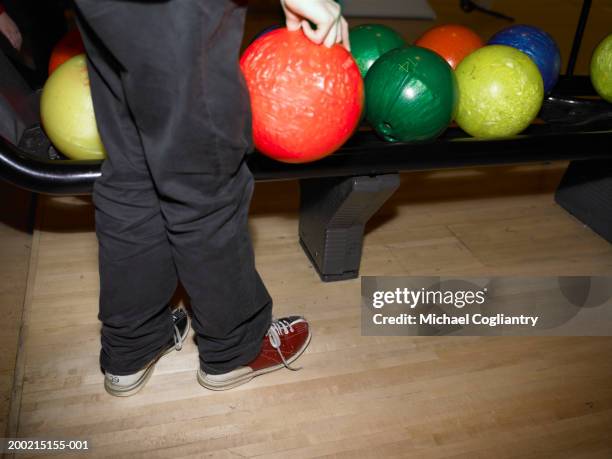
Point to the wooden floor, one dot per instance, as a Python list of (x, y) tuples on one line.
[(15, 242), (356, 396)]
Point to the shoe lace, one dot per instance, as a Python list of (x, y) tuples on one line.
[(277, 329), (178, 336)]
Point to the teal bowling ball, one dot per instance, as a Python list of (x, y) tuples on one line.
[(411, 95), (370, 41)]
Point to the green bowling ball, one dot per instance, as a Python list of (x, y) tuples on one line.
[(601, 68), (370, 41), (500, 92), (411, 95)]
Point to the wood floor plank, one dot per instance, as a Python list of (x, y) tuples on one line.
[(15, 255)]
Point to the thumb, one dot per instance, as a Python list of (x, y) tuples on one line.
[(294, 22)]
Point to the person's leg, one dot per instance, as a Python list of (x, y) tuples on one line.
[(137, 273), (184, 89)]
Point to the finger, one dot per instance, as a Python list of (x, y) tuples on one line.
[(345, 34), (317, 36), (339, 32), (293, 21), (322, 13), (330, 39)]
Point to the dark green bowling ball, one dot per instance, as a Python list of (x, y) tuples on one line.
[(411, 95), (370, 41)]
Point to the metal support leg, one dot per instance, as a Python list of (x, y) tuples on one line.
[(333, 214), (586, 193), (582, 21)]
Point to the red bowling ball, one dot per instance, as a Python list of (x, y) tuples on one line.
[(306, 99)]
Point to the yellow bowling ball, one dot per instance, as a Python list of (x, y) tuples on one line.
[(67, 114)]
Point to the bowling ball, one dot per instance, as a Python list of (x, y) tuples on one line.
[(538, 45), (306, 99), (411, 94), (69, 46), (500, 92), (601, 68), (452, 42), (67, 113), (370, 41), (266, 31)]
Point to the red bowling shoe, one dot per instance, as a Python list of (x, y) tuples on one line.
[(285, 341)]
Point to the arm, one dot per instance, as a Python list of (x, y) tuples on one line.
[(9, 29), (332, 28)]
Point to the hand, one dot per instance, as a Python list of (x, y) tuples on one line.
[(10, 30), (332, 28)]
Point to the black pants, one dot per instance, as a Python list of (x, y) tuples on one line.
[(172, 203)]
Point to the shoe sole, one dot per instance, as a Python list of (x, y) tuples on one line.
[(138, 385), (212, 385)]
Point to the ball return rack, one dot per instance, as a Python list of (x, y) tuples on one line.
[(340, 193)]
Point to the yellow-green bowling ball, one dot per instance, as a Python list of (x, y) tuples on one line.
[(67, 113), (601, 68), (500, 92)]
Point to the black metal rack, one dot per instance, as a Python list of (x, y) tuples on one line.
[(568, 125)]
